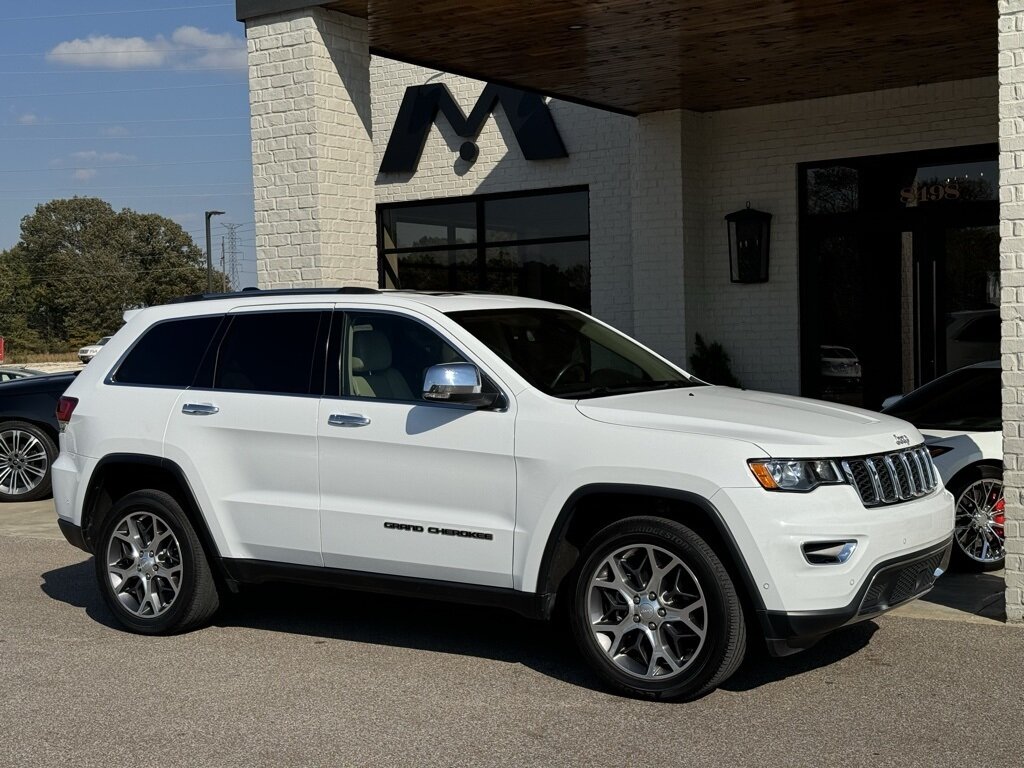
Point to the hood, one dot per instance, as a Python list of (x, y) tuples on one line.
[(781, 425)]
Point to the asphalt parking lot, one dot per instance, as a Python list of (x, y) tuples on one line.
[(292, 676)]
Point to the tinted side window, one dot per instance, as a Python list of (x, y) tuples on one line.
[(269, 352), (168, 354)]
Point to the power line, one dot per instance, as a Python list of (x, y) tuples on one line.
[(125, 122), (124, 138), (131, 196), (126, 165), (116, 13), (115, 69), (104, 52), (119, 90), (93, 187)]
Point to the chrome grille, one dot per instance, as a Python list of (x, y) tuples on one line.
[(892, 477)]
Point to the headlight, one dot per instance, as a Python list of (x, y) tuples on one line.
[(795, 474)]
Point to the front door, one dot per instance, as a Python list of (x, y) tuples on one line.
[(410, 488)]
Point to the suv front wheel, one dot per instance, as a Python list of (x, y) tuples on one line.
[(151, 568), (655, 611)]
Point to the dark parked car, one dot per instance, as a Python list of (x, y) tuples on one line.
[(28, 434)]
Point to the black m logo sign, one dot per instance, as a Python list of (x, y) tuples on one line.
[(527, 115)]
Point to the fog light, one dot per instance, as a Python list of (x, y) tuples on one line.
[(829, 552)]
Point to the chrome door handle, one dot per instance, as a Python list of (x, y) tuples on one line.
[(199, 409), (348, 420)]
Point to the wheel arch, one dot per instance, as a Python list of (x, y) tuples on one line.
[(592, 507), (984, 462), (119, 474)]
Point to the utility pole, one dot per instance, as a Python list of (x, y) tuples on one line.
[(223, 271), (209, 252), (232, 254)]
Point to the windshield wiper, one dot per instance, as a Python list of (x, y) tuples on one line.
[(625, 389)]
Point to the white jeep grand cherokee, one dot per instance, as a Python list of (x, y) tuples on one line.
[(486, 449)]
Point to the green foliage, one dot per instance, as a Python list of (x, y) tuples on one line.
[(710, 362), (80, 264)]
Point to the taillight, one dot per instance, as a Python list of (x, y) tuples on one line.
[(65, 407)]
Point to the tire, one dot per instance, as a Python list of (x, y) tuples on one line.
[(684, 664), (978, 519), (180, 593), (25, 451)]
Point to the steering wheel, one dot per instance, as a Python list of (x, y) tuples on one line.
[(565, 369)]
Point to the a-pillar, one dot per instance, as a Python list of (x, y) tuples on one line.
[(312, 149)]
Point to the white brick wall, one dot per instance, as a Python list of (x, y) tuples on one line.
[(1011, 257), (659, 293), (751, 154), (309, 94), (598, 143)]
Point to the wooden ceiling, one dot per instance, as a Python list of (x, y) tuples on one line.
[(649, 55)]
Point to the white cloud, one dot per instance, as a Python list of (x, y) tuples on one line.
[(28, 119), (113, 52), (188, 47), (95, 156), (83, 174), (113, 131)]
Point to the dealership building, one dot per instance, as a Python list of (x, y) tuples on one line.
[(832, 191)]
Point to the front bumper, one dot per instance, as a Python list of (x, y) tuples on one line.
[(889, 585)]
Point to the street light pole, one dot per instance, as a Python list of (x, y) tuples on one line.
[(209, 252)]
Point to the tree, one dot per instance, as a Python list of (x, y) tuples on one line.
[(86, 264), (15, 306)]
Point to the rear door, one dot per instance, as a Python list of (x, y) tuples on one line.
[(409, 487), (249, 433)]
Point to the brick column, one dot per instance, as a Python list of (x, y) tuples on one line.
[(312, 150), (656, 180), (1011, 258)]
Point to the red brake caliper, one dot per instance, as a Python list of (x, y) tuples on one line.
[(999, 518)]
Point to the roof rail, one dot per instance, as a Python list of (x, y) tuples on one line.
[(245, 292)]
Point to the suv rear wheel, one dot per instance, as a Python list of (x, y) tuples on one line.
[(151, 567), (655, 611)]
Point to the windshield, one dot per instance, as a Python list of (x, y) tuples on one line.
[(968, 399), (567, 354), (103, 341)]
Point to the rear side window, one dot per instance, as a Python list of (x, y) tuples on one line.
[(271, 352), (168, 354)]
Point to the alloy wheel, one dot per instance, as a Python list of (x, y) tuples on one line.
[(144, 564), (647, 612), (23, 462), (978, 526)]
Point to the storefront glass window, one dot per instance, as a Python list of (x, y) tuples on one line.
[(535, 244)]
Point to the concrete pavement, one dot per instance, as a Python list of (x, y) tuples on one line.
[(296, 676)]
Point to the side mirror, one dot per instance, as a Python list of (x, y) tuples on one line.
[(891, 401), (456, 383)]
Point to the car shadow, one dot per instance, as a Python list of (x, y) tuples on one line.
[(981, 594), (331, 614)]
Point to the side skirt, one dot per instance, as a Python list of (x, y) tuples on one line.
[(532, 605)]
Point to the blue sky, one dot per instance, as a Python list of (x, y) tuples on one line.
[(143, 103)]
